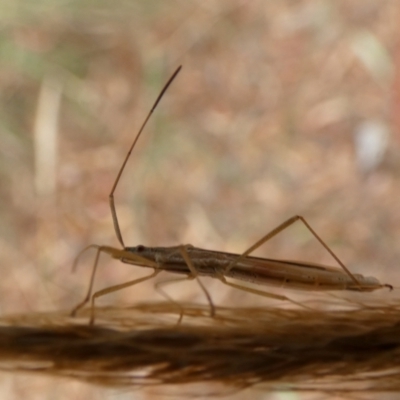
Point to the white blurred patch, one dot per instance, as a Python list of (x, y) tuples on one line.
[(371, 140)]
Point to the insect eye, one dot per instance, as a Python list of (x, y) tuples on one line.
[(140, 248)]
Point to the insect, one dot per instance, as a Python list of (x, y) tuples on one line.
[(194, 262)]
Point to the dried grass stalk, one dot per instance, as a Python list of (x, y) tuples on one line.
[(354, 348)]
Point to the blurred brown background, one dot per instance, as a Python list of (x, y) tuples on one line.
[(281, 108)]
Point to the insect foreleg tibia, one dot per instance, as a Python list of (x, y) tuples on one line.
[(89, 292), (115, 253), (281, 228)]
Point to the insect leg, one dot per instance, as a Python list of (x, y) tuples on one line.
[(194, 274), (115, 253), (279, 229), (89, 292), (326, 247), (260, 292), (115, 288), (157, 287)]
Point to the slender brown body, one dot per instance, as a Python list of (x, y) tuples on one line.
[(263, 271)]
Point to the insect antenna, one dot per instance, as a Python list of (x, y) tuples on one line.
[(111, 195)]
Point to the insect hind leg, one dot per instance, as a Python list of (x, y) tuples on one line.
[(281, 228), (261, 292)]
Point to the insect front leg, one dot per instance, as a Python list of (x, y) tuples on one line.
[(115, 253), (100, 249)]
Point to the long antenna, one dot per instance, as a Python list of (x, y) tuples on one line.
[(111, 196)]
